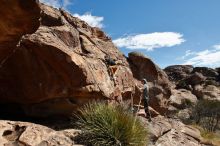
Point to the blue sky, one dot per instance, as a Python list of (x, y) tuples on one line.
[(168, 31)]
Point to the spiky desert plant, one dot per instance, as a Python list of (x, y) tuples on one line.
[(110, 125)]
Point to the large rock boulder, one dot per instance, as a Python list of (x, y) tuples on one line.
[(18, 17), (195, 78), (178, 72), (207, 92), (192, 80), (185, 76), (175, 137), (159, 84), (62, 66), (207, 72), (170, 132), (144, 67), (182, 98)]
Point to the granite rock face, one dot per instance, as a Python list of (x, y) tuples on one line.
[(179, 98), (62, 65), (178, 72), (170, 132), (51, 63), (203, 82), (159, 85), (29, 134), (18, 17)]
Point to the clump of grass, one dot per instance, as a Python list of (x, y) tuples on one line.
[(110, 125), (188, 103), (212, 138)]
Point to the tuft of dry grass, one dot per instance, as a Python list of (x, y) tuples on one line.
[(210, 138)]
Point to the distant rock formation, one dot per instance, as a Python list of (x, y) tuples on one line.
[(178, 72), (203, 82)]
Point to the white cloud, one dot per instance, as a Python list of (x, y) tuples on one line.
[(150, 41), (187, 53), (94, 21), (66, 3), (57, 3), (217, 47), (209, 57)]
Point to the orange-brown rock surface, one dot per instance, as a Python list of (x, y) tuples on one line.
[(159, 84), (51, 63), (18, 17), (29, 134), (203, 82), (171, 132), (61, 64)]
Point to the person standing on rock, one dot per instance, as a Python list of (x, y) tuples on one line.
[(145, 98)]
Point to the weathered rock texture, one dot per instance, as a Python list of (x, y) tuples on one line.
[(52, 63), (178, 72), (170, 132), (159, 84), (18, 17), (180, 98), (28, 134), (203, 82), (207, 72), (62, 65), (207, 92)]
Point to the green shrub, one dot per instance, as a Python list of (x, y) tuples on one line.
[(182, 84), (110, 125), (188, 103), (206, 113)]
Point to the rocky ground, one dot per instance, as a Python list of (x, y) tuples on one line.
[(163, 132), (51, 63), (29, 134)]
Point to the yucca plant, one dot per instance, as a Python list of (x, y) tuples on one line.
[(110, 125)]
